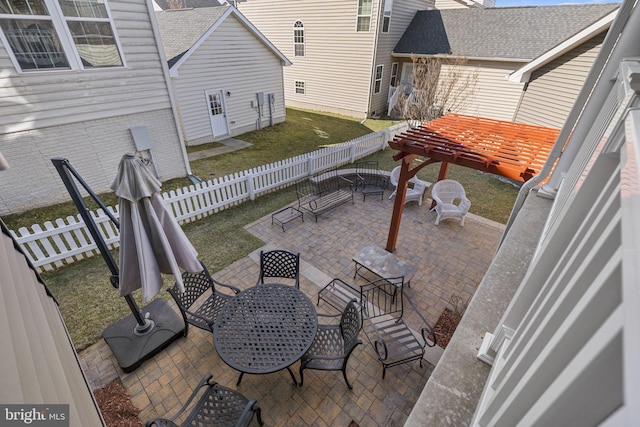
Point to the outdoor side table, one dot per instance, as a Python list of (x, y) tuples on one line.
[(286, 215), (383, 264), (264, 329)]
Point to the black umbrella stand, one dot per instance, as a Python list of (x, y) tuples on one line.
[(135, 338)]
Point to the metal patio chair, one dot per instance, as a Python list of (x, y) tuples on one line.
[(451, 200), (415, 189), (217, 406), (201, 314), (370, 180), (280, 264), (334, 343)]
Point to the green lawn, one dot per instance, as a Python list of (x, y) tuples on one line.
[(89, 303)]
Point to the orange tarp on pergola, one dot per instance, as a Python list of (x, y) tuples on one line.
[(513, 150)]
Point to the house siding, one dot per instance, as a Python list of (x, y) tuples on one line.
[(337, 66), (94, 149), (449, 4), (85, 116), (232, 59), (401, 15), (554, 87)]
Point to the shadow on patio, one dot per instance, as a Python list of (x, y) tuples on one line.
[(450, 260)]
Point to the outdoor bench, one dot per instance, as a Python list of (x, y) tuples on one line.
[(323, 192)]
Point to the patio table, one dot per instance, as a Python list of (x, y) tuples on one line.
[(264, 329), (383, 264)]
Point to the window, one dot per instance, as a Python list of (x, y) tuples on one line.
[(393, 81), (298, 39), (300, 87), (378, 82), (386, 17), (59, 34), (364, 15)]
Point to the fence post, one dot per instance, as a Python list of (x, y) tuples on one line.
[(250, 188), (385, 138), (310, 165), (353, 152)]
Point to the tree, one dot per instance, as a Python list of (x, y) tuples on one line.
[(439, 85)]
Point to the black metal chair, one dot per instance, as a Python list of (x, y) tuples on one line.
[(370, 180), (196, 286), (334, 343), (218, 405), (280, 264)]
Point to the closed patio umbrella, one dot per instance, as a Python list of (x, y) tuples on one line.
[(151, 240)]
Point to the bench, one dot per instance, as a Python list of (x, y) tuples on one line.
[(323, 192)]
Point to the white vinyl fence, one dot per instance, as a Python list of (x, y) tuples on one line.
[(67, 240)]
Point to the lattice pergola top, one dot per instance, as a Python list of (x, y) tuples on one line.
[(514, 150)]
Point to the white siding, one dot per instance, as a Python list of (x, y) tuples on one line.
[(450, 4), (232, 59), (36, 100), (337, 65), (401, 16), (554, 87), (494, 97)]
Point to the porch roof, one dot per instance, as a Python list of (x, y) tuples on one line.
[(513, 150)]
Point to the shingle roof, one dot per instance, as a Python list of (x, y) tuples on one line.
[(502, 33), (180, 29)]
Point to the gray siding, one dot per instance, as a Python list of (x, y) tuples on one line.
[(231, 59), (401, 16), (553, 88), (337, 64), (36, 100), (39, 363)]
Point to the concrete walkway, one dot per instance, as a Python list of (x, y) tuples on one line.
[(450, 260), (229, 145)]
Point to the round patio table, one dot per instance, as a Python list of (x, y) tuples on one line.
[(265, 329)]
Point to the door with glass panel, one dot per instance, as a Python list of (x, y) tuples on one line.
[(217, 115)]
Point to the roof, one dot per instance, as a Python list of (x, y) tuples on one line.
[(505, 33), (183, 30), (514, 150)]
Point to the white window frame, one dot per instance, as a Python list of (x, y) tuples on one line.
[(393, 79), (364, 17), (377, 82), (386, 16), (298, 39), (60, 25), (300, 85)]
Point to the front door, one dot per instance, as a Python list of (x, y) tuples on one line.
[(217, 115)]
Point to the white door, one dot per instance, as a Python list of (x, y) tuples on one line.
[(217, 115)]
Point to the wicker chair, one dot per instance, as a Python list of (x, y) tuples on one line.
[(334, 343), (415, 189), (451, 200), (280, 264), (370, 180), (218, 405), (196, 285)]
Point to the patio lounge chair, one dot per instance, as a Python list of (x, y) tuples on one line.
[(218, 405), (415, 189), (451, 200), (196, 285), (334, 343), (280, 264)]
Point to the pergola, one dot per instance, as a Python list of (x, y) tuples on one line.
[(513, 150)]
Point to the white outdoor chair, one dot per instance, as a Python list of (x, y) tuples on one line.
[(451, 200), (415, 189)]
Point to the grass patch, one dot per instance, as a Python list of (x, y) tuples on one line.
[(203, 147)]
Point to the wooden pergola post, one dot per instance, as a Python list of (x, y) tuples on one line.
[(398, 205)]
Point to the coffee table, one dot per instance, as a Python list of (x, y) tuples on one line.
[(264, 329), (383, 264)]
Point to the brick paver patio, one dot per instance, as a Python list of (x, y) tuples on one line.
[(450, 260)]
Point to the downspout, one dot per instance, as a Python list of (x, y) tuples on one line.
[(372, 70), (605, 64), (165, 72)]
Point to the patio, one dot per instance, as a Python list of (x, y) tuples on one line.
[(450, 260)]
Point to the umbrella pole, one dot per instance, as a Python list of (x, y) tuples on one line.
[(66, 171)]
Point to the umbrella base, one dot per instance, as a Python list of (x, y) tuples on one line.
[(132, 348)]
